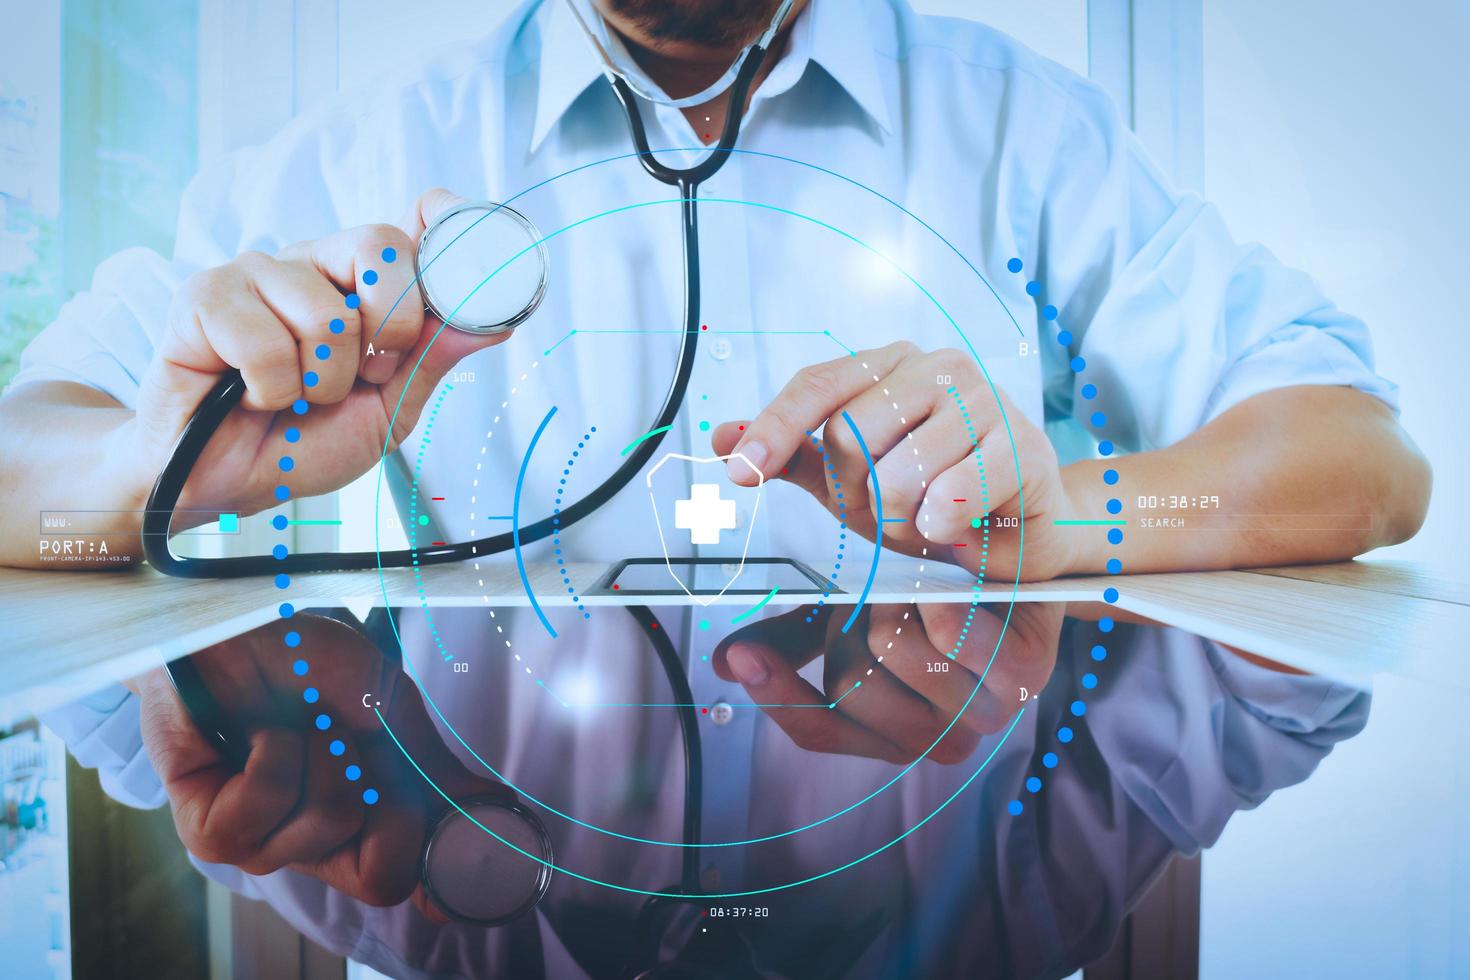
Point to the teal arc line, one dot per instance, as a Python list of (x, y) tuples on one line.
[(757, 607), (515, 521), (1014, 454), (877, 530), (755, 891), (647, 435)]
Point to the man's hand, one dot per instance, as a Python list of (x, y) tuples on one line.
[(922, 437), (911, 691), (272, 317), (292, 806)]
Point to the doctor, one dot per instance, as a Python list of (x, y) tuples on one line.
[(1219, 366)]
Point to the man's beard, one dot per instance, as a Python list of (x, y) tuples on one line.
[(708, 23)]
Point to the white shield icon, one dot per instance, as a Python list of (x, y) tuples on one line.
[(707, 516)]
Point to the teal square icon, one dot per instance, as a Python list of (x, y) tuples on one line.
[(229, 524)]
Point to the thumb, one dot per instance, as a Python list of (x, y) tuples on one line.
[(796, 637), (431, 203)]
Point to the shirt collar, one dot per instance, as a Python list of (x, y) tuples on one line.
[(837, 35)]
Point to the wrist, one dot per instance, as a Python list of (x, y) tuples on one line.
[(125, 469), (1085, 498)]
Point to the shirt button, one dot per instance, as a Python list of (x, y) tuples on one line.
[(720, 712), (720, 348)]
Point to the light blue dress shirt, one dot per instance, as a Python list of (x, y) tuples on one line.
[(994, 152)]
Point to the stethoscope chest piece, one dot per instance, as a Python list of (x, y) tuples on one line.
[(474, 878), (482, 267)]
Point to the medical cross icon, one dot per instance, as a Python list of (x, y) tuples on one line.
[(704, 515)]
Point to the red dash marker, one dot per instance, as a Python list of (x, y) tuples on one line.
[(959, 500), (960, 545), (436, 498), (438, 544)]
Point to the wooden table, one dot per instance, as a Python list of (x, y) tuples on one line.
[(67, 633)]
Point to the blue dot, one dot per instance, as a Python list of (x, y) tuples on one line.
[(1049, 760), (1114, 566), (1114, 505), (370, 277), (299, 406), (287, 610), (283, 581), (1105, 448), (292, 434), (1110, 595), (370, 796), (323, 352), (390, 254), (310, 379), (1064, 338), (1079, 364), (353, 301), (1014, 265), (1110, 477), (287, 464), (1015, 808), (283, 493), (1034, 784), (1078, 709), (337, 326), (1105, 625), (1048, 312), (312, 695), (1115, 535), (1033, 288), (353, 773), (1089, 390), (1099, 420), (292, 639), (1089, 681), (337, 747), (279, 522), (1064, 734), (279, 551), (323, 722), (300, 667)]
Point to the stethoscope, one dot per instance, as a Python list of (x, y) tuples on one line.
[(481, 235)]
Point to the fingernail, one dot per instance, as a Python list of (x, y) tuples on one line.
[(747, 666), (747, 468), (380, 367)]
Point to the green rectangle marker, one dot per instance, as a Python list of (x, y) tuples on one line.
[(229, 524)]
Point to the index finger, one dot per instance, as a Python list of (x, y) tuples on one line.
[(811, 397)]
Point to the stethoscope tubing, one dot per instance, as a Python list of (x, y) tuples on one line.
[(230, 389)]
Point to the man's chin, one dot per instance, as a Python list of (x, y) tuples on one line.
[(707, 23)]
